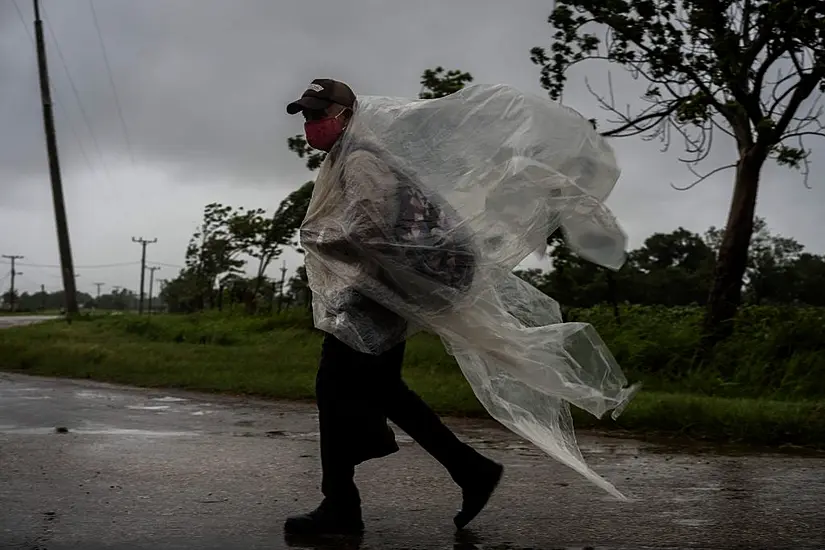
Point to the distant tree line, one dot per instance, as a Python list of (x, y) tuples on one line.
[(676, 268), (670, 269), (116, 300)]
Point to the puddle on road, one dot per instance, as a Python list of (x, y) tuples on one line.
[(97, 431), (90, 394), (148, 407), (169, 399)]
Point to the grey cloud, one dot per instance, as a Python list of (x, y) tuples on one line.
[(203, 85)]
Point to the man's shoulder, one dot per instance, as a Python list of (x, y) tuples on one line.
[(359, 160), (362, 156)]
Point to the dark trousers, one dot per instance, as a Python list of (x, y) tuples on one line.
[(356, 394)]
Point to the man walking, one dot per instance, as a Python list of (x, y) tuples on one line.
[(357, 392)]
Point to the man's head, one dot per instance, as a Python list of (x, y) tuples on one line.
[(327, 106)]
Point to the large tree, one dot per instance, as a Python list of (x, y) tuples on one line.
[(772, 260), (213, 251), (751, 69), (290, 214)]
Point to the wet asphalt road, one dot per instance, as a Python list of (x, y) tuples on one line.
[(18, 320), (164, 470), (87, 465)]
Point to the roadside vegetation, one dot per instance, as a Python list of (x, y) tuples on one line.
[(766, 385)]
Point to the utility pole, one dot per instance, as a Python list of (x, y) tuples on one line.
[(151, 284), (43, 296), (98, 285), (281, 292), (143, 242), (61, 222), (14, 273)]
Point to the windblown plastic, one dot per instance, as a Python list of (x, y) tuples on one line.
[(419, 216)]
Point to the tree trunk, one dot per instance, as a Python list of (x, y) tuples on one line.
[(613, 295), (258, 284), (731, 263)]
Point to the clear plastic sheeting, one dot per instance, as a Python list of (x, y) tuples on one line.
[(419, 215)]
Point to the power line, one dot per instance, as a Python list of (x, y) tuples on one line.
[(100, 266), (56, 96), (23, 20), (77, 97), (111, 80), (169, 265)]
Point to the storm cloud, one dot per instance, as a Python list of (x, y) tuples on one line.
[(202, 86)]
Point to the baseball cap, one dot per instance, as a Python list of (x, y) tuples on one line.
[(321, 94)]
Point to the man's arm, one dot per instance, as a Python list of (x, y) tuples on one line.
[(367, 224)]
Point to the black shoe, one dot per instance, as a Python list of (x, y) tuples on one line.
[(476, 493), (327, 519)]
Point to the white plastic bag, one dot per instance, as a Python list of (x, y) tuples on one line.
[(419, 216)]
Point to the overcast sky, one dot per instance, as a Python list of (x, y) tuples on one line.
[(203, 84)]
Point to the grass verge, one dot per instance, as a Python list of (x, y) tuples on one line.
[(276, 357)]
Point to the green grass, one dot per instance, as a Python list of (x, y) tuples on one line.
[(775, 353), (275, 357)]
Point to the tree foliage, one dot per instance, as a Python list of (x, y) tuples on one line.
[(298, 145), (220, 249), (753, 70), (439, 82), (743, 67), (674, 269), (291, 214)]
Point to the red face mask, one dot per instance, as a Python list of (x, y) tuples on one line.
[(322, 134)]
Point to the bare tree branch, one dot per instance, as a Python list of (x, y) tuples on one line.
[(703, 177), (807, 84), (694, 77), (658, 115), (802, 134), (806, 164), (772, 58), (797, 65)]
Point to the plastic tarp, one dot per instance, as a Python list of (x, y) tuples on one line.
[(420, 214)]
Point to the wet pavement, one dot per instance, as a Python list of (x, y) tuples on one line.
[(88, 465), (19, 320)]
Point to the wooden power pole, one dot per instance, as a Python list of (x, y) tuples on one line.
[(143, 242), (13, 274), (151, 284), (61, 222)]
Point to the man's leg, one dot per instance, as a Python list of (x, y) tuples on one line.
[(352, 429), (477, 475)]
